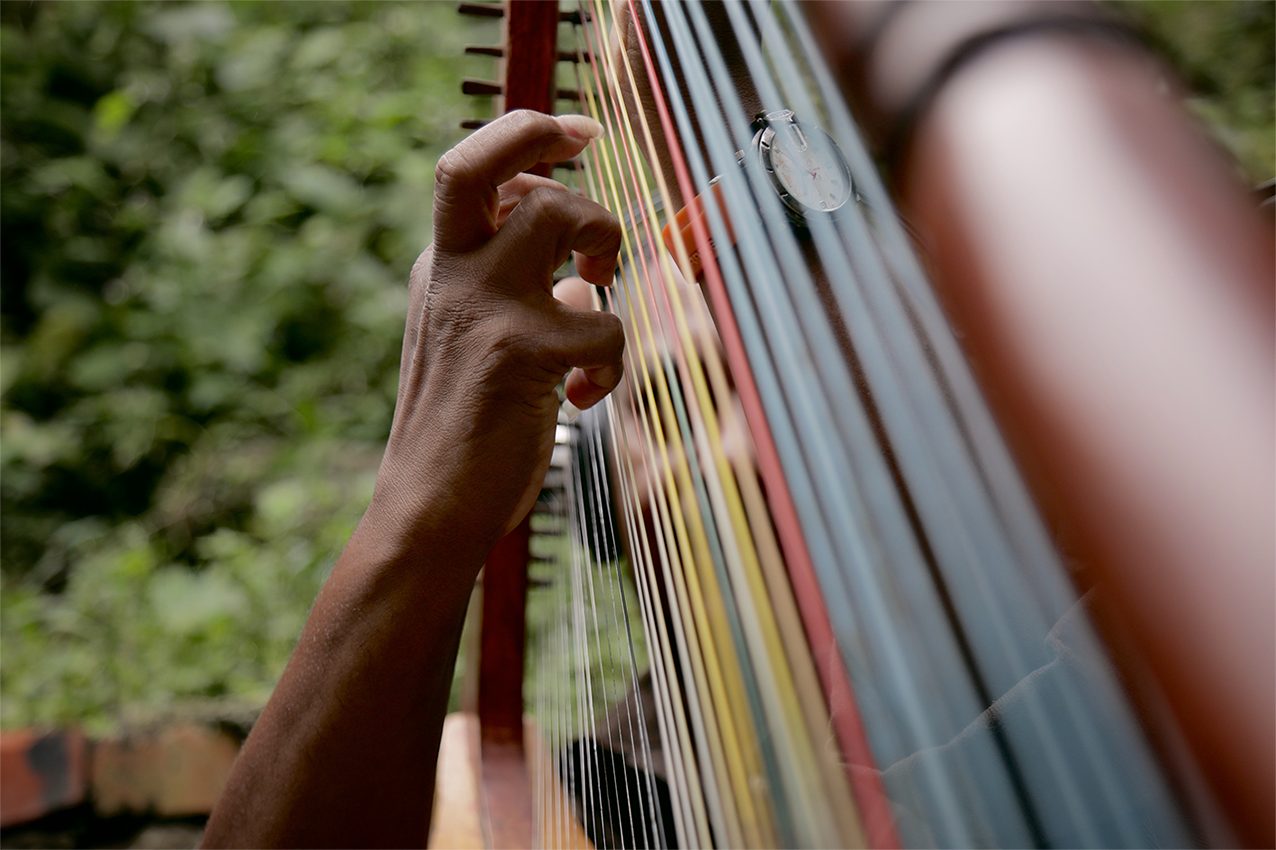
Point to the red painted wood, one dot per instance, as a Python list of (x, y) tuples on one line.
[(531, 56), (502, 639), (40, 772), (531, 31)]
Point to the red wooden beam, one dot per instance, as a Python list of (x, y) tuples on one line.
[(531, 57), (502, 638)]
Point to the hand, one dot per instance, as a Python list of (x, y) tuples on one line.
[(487, 342)]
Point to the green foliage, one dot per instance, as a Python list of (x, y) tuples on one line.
[(1225, 50), (134, 630), (208, 217), (209, 214), (578, 661)]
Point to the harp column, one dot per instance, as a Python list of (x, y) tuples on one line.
[(530, 36)]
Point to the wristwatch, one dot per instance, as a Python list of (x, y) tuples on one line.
[(804, 166)]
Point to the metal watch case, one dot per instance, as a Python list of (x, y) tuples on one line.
[(804, 165)]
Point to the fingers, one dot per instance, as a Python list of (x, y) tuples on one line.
[(512, 191), (600, 267), (593, 342), (546, 228), (505, 232), (467, 201), (574, 291), (587, 386)]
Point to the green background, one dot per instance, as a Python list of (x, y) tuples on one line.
[(209, 212)]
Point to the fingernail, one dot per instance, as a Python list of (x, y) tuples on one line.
[(581, 126), (571, 410)]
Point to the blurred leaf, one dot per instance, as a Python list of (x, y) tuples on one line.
[(323, 188), (209, 214), (194, 22), (214, 195), (81, 172), (187, 602), (112, 112)]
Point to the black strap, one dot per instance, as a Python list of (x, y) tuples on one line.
[(975, 46)]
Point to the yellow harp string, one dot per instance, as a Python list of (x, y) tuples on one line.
[(806, 779)]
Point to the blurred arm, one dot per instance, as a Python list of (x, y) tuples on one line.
[(1110, 288), (1112, 284)]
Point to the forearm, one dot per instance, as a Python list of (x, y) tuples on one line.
[(344, 755), (1112, 285), (1117, 305)]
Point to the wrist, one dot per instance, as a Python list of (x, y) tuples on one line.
[(416, 547)]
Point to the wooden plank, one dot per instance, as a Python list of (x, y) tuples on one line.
[(455, 823), (559, 827)]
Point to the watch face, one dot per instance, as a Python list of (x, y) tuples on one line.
[(808, 167)]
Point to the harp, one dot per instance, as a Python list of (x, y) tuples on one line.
[(856, 630)]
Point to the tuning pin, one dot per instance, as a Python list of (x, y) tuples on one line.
[(474, 123), (482, 10), (484, 50), (480, 87)]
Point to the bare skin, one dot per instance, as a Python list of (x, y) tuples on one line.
[(344, 754), (1112, 283)]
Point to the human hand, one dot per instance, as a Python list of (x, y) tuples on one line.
[(487, 342)]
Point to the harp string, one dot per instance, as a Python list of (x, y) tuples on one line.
[(684, 365), (669, 543), (665, 384), (651, 822), (589, 608), (847, 396), (657, 410), (876, 558), (666, 543), (690, 813), (757, 594), (673, 416), (872, 547), (847, 721), (684, 372), (680, 775), (710, 407), (1060, 788), (637, 729), (1072, 778)]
